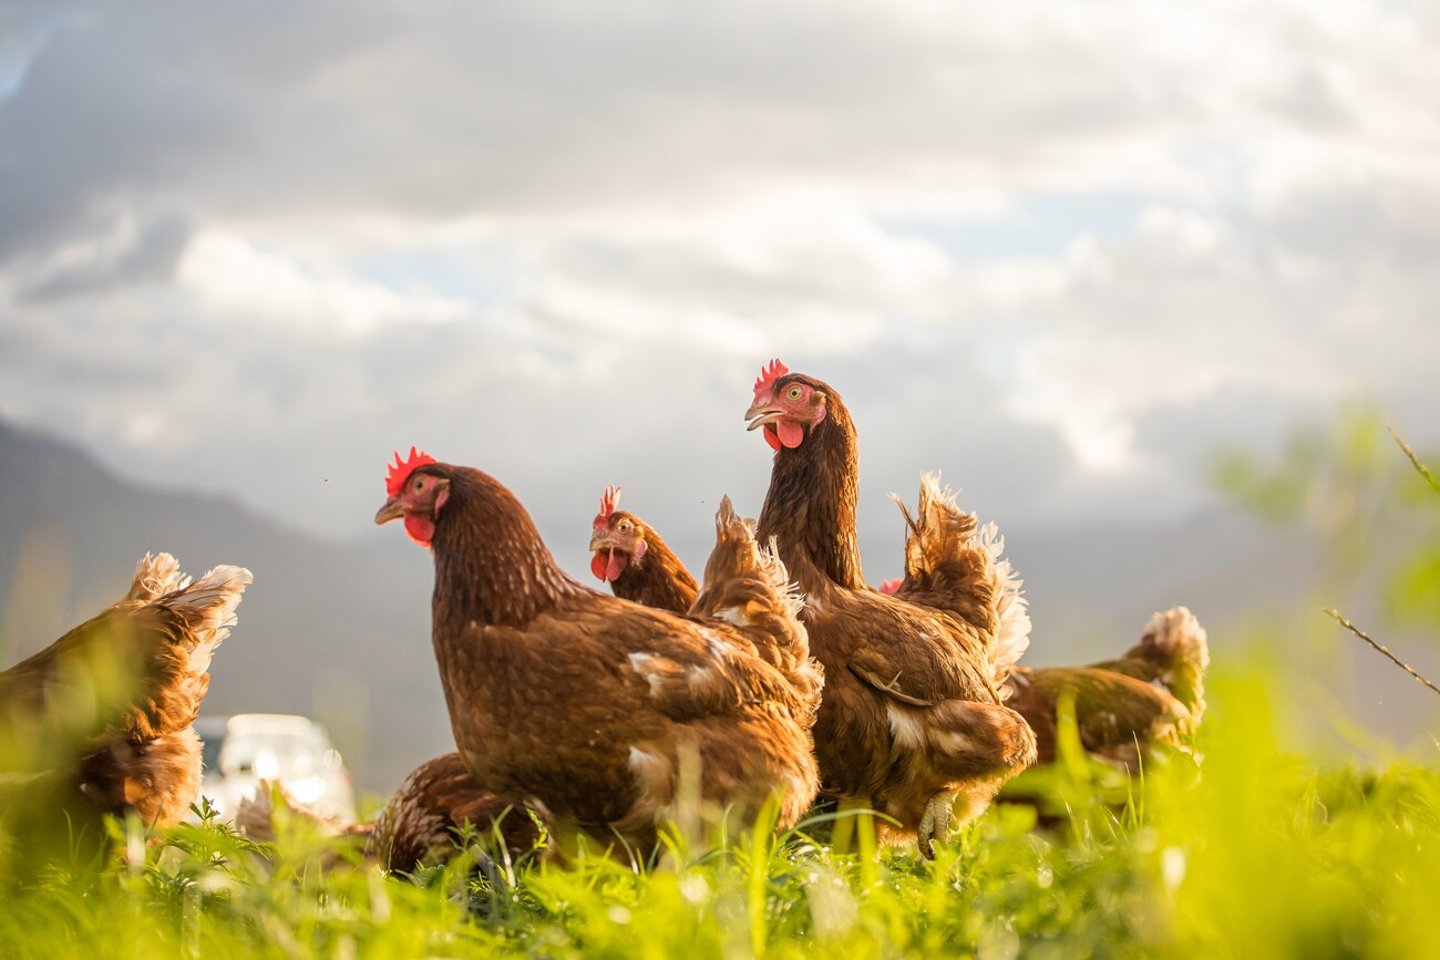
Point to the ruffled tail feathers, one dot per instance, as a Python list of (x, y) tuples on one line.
[(1177, 634), (1012, 610), (947, 551), (747, 584), (737, 555), (155, 576)]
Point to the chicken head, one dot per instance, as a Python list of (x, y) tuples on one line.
[(616, 539), (415, 494), (787, 405)]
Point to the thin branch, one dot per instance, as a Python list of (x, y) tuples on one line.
[(1335, 615), (1423, 470)]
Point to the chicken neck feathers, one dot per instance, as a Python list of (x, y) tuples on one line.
[(658, 579)]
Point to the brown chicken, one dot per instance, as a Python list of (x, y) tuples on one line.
[(730, 595), (748, 587), (420, 826), (638, 565), (1174, 652), (588, 707), (99, 722), (912, 718), (423, 821), (1152, 696)]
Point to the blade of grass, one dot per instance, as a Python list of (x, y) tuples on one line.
[(1335, 615), (1423, 470)]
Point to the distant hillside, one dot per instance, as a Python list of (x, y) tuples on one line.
[(342, 631)]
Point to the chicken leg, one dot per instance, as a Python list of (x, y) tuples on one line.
[(934, 822)]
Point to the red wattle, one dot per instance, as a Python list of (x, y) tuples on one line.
[(771, 437), (420, 528), (597, 564), (618, 560), (791, 433)]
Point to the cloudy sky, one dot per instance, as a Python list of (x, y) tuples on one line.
[(1060, 251)]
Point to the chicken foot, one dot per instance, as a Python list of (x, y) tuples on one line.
[(935, 821), (982, 745)]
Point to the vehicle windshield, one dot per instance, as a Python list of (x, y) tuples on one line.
[(273, 754), (210, 752)]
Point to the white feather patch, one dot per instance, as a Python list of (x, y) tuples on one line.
[(906, 726), (953, 743), (1012, 631), (733, 615), (156, 576), (699, 676), (718, 645), (644, 665)]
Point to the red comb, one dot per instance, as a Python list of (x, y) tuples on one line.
[(400, 470), (608, 502), (768, 375)]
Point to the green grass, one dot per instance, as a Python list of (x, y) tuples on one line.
[(1257, 852)]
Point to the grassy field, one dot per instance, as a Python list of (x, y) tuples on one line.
[(1254, 852)]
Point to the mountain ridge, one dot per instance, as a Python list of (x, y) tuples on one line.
[(73, 531)]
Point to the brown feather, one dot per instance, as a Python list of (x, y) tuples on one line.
[(911, 707), (1174, 652), (99, 722), (586, 705), (658, 579), (746, 586), (421, 825), (1153, 696), (1115, 715), (423, 821)]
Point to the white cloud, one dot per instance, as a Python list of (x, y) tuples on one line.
[(564, 237), (230, 275)]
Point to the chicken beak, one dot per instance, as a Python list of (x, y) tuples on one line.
[(759, 414), (596, 543), (391, 511)]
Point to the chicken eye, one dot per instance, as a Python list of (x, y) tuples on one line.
[(419, 483), (624, 526), (794, 392)]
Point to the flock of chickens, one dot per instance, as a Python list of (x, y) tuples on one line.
[(778, 678)]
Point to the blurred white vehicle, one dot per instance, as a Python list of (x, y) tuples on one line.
[(246, 748)]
